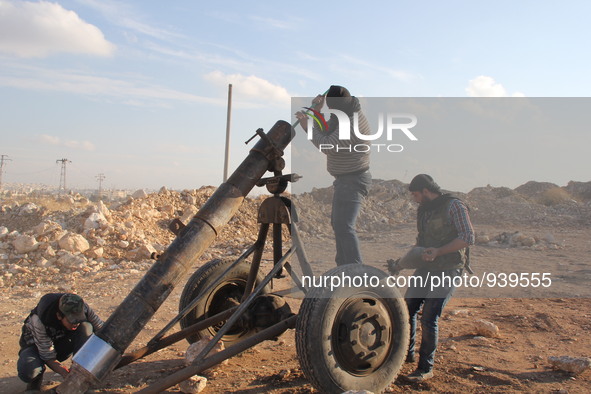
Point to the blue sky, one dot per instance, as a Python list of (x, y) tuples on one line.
[(137, 90)]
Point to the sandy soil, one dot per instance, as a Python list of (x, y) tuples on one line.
[(533, 326)]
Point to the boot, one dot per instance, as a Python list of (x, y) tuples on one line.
[(35, 385)]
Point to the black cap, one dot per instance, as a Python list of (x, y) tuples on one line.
[(423, 181), (72, 307), (338, 97)]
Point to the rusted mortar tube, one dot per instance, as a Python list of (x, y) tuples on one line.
[(103, 351)]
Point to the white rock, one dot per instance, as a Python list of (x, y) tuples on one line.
[(486, 329), (28, 208), (25, 243), (139, 194), (195, 348), (570, 364), (96, 253), (73, 242), (69, 260), (123, 244), (188, 214), (195, 384), (3, 231), (145, 251), (95, 220), (358, 392), (102, 208)]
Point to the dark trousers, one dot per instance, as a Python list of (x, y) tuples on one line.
[(30, 366)]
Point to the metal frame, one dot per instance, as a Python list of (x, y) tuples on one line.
[(268, 214)]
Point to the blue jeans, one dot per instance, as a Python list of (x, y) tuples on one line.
[(30, 365), (433, 303), (349, 191)]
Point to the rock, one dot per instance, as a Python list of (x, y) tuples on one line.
[(193, 385), (74, 243), (123, 244), (549, 238), (188, 214), (102, 209), (572, 365), (357, 392), (66, 199), (167, 209), (145, 251), (24, 243), (96, 253), (3, 231), (28, 209), (71, 261), (459, 312), (481, 341), (482, 239), (486, 329), (195, 348), (139, 194), (95, 220)]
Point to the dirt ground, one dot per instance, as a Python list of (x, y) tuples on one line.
[(533, 326)]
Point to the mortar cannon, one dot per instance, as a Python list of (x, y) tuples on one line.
[(346, 338)]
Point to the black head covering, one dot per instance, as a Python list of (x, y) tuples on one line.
[(338, 97), (423, 181)]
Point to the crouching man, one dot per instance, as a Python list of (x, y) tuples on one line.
[(444, 234), (54, 330)]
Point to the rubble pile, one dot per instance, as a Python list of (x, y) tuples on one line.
[(49, 241), (38, 245)]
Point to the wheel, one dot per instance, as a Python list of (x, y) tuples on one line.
[(352, 338), (224, 295)]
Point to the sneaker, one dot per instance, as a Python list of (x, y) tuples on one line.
[(419, 376), (34, 386)]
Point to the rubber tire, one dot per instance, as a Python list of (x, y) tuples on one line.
[(315, 324), (235, 280)]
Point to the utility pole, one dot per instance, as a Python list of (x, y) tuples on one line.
[(228, 119), (63, 174), (3, 159), (100, 178)]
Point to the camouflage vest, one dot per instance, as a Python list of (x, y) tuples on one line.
[(436, 229)]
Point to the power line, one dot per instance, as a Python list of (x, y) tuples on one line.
[(3, 159), (62, 174), (100, 177)]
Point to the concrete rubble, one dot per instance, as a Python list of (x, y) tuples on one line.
[(42, 240)]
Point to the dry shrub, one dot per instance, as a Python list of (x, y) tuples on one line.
[(554, 196)]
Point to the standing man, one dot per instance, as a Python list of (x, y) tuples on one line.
[(54, 330), (445, 233), (347, 160)]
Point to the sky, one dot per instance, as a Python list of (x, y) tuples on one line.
[(137, 90)]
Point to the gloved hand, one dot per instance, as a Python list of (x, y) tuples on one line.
[(393, 266)]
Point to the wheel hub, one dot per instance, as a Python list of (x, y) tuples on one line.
[(362, 335)]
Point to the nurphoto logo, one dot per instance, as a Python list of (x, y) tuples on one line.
[(395, 122)]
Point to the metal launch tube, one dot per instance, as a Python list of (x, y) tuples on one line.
[(103, 351)]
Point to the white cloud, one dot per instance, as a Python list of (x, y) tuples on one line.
[(251, 87), (484, 86), (46, 139), (39, 29), (135, 92)]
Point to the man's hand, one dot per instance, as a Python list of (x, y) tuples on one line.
[(56, 366), (430, 254), (318, 102), (301, 116), (303, 119)]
